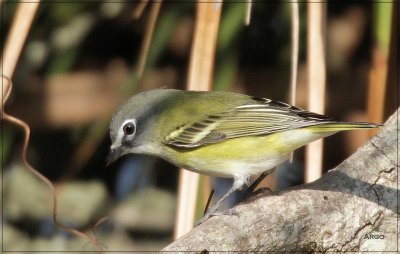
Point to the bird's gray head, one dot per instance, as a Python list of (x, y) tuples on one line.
[(132, 128)]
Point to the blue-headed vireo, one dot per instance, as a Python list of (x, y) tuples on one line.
[(217, 133)]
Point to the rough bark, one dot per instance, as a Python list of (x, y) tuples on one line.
[(351, 208)]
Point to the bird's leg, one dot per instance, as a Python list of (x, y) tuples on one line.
[(212, 211), (237, 185), (215, 207)]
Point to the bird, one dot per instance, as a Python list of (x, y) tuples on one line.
[(217, 133)]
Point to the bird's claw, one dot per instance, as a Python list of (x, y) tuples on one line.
[(210, 214)]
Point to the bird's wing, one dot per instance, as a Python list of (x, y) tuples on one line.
[(262, 117)]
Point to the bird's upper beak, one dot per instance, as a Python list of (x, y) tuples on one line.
[(115, 153)]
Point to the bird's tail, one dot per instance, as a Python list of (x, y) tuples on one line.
[(343, 126)]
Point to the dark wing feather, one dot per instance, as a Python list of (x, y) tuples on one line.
[(262, 117)]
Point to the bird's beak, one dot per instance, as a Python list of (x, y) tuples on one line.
[(114, 154)]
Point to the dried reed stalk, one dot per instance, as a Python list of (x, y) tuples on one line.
[(137, 13), (295, 51), (199, 78), (155, 10), (316, 82), (295, 55), (15, 41), (377, 88), (247, 17)]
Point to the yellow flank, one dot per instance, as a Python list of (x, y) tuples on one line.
[(242, 156)]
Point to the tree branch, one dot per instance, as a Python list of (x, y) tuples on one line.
[(353, 207)]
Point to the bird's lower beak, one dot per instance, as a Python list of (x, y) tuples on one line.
[(114, 154)]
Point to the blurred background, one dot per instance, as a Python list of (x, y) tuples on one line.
[(80, 61)]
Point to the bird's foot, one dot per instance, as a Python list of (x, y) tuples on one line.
[(210, 214)]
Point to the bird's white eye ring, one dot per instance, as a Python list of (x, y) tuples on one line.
[(129, 128)]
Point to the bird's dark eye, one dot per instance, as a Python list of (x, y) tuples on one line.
[(129, 129)]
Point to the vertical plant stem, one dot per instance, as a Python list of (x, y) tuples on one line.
[(391, 97), (155, 10), (295, 55), (137, 13), (249, 5), (316, 82), (203, 48), (199, 78), (295, 51), (15, 41), (377, 88)]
